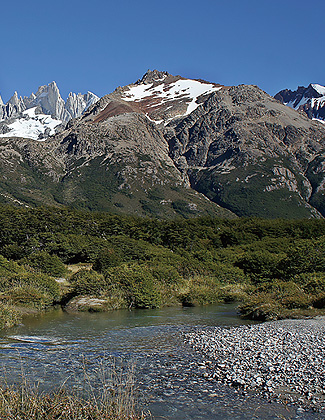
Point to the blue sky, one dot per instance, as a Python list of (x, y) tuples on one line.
[(98, 45)]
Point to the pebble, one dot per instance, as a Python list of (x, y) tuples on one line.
[(281, 360)]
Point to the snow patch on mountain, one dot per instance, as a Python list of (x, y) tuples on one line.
[(317, 119), (310, 99), (292, 104), (32, 126), (319, 88), (183, 89), (48, 97), (19, 118)]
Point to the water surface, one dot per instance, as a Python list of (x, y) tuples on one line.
[(59, 347)]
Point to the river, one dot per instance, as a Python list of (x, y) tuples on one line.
[(56, 348)]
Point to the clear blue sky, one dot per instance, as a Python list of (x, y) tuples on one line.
[(98, 45)]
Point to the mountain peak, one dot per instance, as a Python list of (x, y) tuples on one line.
[(153, 76), (49, 102), (153, 147), (318, 88), (310, 99), (14, 100)]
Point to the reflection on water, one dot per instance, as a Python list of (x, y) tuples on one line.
[(58, 347)]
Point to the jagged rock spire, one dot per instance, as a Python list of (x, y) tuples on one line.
[(153, 75), (49, 99)]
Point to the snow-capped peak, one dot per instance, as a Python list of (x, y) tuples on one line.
[(18, 116), (32, 125), (154, 96), (319, 89), (309, 99)]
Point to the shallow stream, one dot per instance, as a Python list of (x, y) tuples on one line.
[(58, 348)]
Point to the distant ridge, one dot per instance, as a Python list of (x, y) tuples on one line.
[(310, 100), (49, 112)]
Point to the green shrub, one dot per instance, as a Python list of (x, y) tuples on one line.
[(138, 283), (165, 274), (261, 308), (235, 292), (88, 282), (8, 267), (13, 251), (40, 281), (28, 296), (306, 256), (8, 316), (43, 261), (260, 265), (291, 295), (14, 276), (107, 258), (274, 300), (314, 284), (199, 290)]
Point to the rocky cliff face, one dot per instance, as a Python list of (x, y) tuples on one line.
[(310, 100), (46, 102), (167, 146), (248, 153)]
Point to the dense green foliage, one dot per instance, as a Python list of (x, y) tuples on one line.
[(274, 267), (43, 261)]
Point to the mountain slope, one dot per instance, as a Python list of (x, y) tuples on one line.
[(238, 145), (167, 146), (249, 153)]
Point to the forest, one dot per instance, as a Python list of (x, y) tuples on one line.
[(92, 261)]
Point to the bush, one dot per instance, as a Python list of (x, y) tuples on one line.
[(314, 284), (165, 274), (19, 277), (8, 316), (8, 267), (88, 282), (199, 290), (138, 284), (274, 300), (261, 309), (43, 261), (306, 257), (28, 296), (41, 281), (261, 265), (290, 295), (107, 258)]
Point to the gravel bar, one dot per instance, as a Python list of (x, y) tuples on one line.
[(281, 360)]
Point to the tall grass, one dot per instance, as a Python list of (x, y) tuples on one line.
[(113, 398)]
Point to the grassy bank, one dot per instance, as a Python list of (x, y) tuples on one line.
[(114, 398), (29, 404), (100, 262)]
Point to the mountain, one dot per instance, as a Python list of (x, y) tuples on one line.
[(310, 100), (167, 146), (49, 112)]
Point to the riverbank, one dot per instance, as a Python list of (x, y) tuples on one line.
[(98, 262), (282, 360), (55, 348)]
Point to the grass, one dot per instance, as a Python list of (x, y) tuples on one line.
[(114, 399), (9, 316)]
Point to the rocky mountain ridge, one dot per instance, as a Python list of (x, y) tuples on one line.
[(310, 99), (46, 102), (167, 146)]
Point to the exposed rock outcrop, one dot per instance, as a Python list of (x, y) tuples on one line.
[(310, 100)]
